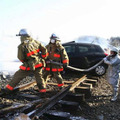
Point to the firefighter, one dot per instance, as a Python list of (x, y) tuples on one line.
[(113, 71), (29, 54), (56, 53)]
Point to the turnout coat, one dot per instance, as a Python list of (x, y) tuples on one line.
[(56, 53), (113, 70), (31, 53)]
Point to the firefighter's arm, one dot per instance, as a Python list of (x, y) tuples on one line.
[(44, 52), (110, 62), (65, 59), (21, 54)]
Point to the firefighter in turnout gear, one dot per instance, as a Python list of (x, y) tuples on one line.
[(56, 53), (32, 54)]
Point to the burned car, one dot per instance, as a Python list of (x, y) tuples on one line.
[(86, 55)]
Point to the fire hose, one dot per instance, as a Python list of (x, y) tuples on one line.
[(78, 69)]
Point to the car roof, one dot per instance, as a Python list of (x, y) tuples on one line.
[(73, 42)]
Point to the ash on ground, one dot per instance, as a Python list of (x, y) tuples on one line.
[(98, 107)]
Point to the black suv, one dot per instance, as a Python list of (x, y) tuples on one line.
[(85, 55)]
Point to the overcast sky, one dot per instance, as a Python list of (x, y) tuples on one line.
[(69, 19)]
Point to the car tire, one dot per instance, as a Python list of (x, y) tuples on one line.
[(100, 70)]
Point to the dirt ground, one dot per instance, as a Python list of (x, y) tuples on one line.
[(99, 106)]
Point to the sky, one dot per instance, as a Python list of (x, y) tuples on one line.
[(69, 19)]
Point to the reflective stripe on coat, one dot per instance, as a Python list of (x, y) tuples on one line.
[(56, 53), (29, 53)]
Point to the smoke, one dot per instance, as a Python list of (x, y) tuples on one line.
[(8, 49), (8, 53), (104, 43)]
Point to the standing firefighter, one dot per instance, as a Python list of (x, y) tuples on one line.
[(56, 53), (29, 54), (113, 71)]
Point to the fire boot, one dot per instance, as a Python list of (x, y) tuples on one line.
[(60, 86), (115, 94), (42, 92), (5, 91)]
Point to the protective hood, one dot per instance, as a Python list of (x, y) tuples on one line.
[(25, 39)]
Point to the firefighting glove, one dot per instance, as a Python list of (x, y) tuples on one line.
[(47, 60), (109, 57), (64, 66)]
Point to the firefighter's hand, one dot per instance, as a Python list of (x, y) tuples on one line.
[(64, 66), (47, 60), (108, 57)]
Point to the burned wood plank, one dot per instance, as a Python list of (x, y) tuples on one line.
[(93, 82), (83, 90), (41, 109), (68, 82), (29, 96), (75, 84), (83, 84), (25, 86), (17, 106), (19, 88)]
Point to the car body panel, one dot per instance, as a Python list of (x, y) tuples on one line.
[(83, 55)]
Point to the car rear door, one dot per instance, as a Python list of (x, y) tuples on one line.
[(99, 53), (84, 55), (89, 54), (71, 51)]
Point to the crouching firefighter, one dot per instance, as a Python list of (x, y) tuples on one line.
[(29, 54), (113, 71), (56, 53)]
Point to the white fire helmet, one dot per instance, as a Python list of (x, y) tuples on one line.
[(23, 32), (114, 50)]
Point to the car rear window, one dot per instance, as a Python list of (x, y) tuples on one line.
[(86, 49), (99, 49), (70, 49), (89, 49), (82, 49)]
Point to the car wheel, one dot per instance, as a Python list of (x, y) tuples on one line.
[(100, 70)]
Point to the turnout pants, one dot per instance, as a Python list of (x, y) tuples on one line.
[(55, 75), (20, 74)]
